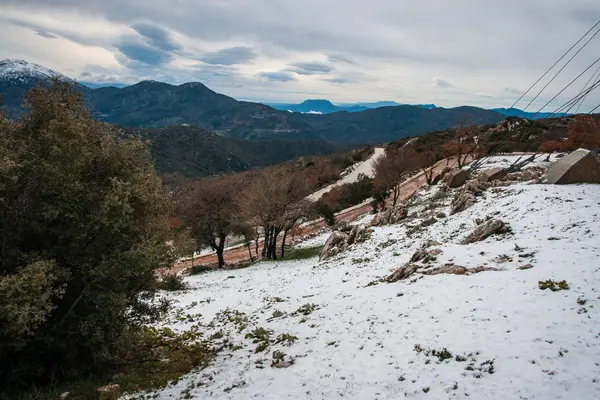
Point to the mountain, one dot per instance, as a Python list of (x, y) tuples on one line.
[(93, 85), (317, 106), (195, 152), (386, 124), (515, 112), (155, 104), (151, 104), (17, 77)]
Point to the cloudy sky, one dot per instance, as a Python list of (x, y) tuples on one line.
[(478, 52)]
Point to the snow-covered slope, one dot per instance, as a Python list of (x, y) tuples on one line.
[(490, 335), (19, 72)]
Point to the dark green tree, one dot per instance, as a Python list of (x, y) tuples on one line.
[(83, 227)]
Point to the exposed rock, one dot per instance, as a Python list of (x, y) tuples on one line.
[(425, 255), (492, 174), (283, 364), (580, 166), (64, 395), (109, 392), (418, 255), (441, 175), (528, 174), (462, 202), (485, 230), (526, 266), (466, 197), (335, 244), (457, 270), (456, 178), (430, 243), (340, 241), (428, 222), (390, 216), (407, 270), (402, 273)]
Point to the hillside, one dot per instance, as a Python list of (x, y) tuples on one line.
[(336, 328), (195, 152), (152, 104)]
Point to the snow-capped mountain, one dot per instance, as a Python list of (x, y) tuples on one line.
[(20, 72)]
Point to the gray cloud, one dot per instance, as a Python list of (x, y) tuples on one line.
[(340, 80), (442, 83), (229, 56), (156, 36), (44, 34), (135, 49), (310, 68), (512, 90), (340, 58), (277, 76), (86, 74)]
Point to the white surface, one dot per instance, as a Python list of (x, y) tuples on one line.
[(501, 315), (23, 71), (365, 168)]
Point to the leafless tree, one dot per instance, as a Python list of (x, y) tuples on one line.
[(209, 209), (393, 168)]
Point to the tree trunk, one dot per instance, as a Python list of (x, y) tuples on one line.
[(220, 248), (249, 251), (267, 230), (283, 243)]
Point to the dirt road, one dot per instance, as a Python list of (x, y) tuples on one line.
[(240, 252)]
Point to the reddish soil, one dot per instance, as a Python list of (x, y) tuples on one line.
[(240, 253)]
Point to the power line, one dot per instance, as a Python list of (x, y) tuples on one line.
[(563, 67), (592, 79), (566, 107), (554, 65), (563, 89), (594, 109)]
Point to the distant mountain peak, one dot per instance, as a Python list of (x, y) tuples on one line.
[(24, 72)]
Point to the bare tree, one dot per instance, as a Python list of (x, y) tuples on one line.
[(393, 168), (210, 211), (274, 201)]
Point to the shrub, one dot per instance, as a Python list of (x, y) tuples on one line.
[(84, 226), (172, 283)]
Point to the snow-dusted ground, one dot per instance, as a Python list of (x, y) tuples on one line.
[(364, 168), (519, 342)]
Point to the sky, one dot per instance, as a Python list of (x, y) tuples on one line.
[(477, 52)]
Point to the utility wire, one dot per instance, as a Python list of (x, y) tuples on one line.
[(566, 107), (554, 65), (592, 79), (563, 89), (563, 67), (594, 109)]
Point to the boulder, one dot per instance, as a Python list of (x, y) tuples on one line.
[(390, 216), (528, 174), (485, 230), (492, 174), (580, 166), (335, 244), (466, 197), (456, 178), (403, 272)]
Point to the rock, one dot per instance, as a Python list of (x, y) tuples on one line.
[(580, 166), (390, 216), (430, 243), (526, 266), (336, 243), (467, 196), (528, 174), (418, 255), (64, 395), (283, 364), (456, 178), (402, 273), (428, 222), (462, 202), (109, 392), (425, 255), (492, 174), (457, 270), (485, 230)]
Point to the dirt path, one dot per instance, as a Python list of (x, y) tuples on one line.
[(240, 253)]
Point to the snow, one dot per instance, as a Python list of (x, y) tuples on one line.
[(360, 341), (22, 71), (352, 173)]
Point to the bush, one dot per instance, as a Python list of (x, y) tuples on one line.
[(172, 283), (83, 222)]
